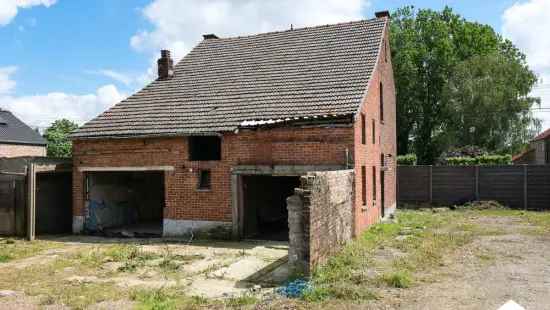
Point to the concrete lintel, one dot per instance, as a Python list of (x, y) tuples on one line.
[(52, 168), (140, 168), (283, 170)]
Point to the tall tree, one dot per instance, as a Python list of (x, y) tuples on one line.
[(57, 136), (427, 47), (488, 104)]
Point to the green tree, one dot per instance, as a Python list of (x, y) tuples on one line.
[(427, 48), (488, 104), (57, 136)]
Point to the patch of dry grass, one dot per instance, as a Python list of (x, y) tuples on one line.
[(13, 249)]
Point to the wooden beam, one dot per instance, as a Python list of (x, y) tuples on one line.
[(31, 202)]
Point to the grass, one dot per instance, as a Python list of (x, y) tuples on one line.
[(12, 249), (398, 279), (418, 241), (389, 256), (170, 299), (48, 281), (157, 299)]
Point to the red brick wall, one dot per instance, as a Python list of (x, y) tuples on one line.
[(368, 154), (283, 146), (15, 150)]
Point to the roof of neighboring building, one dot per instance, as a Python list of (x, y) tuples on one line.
[(222, 83), (14, 131), (522, 154), (543, 135)]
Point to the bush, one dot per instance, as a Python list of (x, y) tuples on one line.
[(479, 160), (406, 160)]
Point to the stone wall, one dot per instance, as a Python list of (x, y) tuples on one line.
[(321, 217)]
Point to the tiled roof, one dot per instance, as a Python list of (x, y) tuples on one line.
[(522, 154), (221, 83), (543, 135), (14, 131)]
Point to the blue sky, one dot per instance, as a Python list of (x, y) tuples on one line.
[(75, 58)]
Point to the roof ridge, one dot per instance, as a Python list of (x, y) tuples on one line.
[(296, 29)]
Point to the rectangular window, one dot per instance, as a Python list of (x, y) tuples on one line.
[(373, 183), (373, 131), (205, 148), (204, 179), (364, 185), (363, 129), (381, 102)]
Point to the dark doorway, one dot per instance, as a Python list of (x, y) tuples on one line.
[(265, 215), (127, 204), (54, 213)]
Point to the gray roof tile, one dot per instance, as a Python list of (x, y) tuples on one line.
[(311, 71), (14, 131)]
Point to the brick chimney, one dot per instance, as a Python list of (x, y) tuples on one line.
[(165, 65), (382, 14)]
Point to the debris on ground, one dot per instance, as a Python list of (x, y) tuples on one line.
[(483, 205), (7, 293), (294, 289)]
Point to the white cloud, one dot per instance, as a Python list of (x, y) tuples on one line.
[(123, 78), (42, 110), (6, 83), (526, 23), (179, 24), (9, 8)]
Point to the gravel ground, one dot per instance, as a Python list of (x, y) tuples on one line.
[(485, 274)]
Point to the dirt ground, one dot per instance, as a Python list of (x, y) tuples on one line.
[(205, 269), (506, 257), (511, 265)]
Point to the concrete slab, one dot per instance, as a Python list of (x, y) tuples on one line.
[(240, 270), (215, 288)]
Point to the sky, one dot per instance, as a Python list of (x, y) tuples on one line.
[(76, 58)]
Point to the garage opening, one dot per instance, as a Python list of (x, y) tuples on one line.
[(125, 204), (54, 214), (265, 215)]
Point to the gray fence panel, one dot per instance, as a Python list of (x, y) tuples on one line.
[(413, 183), (503, 184), (538, 187), (516, 186), (453, 185)]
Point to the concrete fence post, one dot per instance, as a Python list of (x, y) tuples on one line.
[(430, 185), (525, 198), (477, 182), (296, 234)]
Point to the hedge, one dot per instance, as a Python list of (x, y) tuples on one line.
[(406, 160), (479, 160)]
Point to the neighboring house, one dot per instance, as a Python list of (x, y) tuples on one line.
[(17, 139), (217, 143), (538, 152)]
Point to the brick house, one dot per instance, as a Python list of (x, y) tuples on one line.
[(218, 142), (17, 139), (538, 152)]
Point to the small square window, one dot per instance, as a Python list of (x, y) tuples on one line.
[(204, 179), (205, 148)]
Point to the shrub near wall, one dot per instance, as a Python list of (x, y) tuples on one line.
[(406, 160), (479, 160)]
